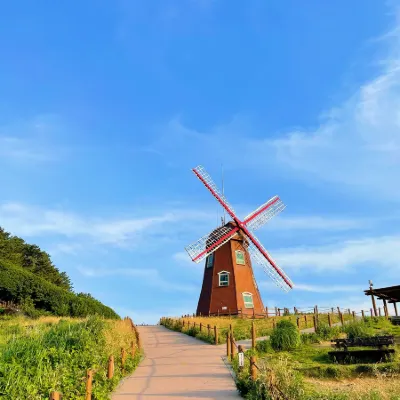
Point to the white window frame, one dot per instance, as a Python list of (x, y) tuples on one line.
[(210, 264), (236, 258), (244, 300), (225, 273)]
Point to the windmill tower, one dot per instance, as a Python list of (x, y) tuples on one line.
[(229, 286)]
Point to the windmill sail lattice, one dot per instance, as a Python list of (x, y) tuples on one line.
[(208, 244)]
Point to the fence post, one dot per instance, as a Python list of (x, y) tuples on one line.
[(228, 344), (55, 396), (298, 323), (216, 334), (362, 313), (233, 348), (253, 335), (354, 315), (329, 320), (208, 328), (266, 311), (110, 372), (253, 369), (89, 382), (315, 322), (341, 318), (273, 323), (123, 358)]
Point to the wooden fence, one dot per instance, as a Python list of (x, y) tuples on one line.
[(302, 320), (90, 373)]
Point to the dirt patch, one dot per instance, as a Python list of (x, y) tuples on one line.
[(358, 388)]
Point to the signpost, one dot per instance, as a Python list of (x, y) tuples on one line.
[(241, 357)]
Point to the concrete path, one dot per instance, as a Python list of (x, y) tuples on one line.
[(179, 367)]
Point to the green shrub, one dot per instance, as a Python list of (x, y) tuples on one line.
[(205, 337), (263, 346), (285, 336), (356, 329), (325, 332), (193, 331), (332, 372), (365, 369), (309, 338)]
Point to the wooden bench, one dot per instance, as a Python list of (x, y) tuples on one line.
[(395, 320), (381, 352)]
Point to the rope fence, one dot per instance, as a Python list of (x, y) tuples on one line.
[(278, 312), (90, 373), (232, 347)]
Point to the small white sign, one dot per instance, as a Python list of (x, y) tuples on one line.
[(224, 308), (241, 359)]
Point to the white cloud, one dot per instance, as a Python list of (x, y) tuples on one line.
[(382, 251), (356, 147), (28, 220), (149, 277)]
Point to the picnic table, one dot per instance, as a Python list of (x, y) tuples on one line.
[(380, 351)]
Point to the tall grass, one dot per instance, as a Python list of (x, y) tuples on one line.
[(285, 336), (40, 356)]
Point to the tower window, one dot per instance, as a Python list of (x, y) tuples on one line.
[(248, 300), (223, 278), (240, 257), (210, 261)]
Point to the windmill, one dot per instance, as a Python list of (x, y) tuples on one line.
[(229, 285)]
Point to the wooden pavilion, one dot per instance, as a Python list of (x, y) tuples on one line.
[(390, 294)]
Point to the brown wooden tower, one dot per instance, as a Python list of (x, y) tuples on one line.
[(229, 286)]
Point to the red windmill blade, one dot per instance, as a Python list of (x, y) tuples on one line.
[(208, 244)]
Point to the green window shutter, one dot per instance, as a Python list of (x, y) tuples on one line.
[(240, 257)]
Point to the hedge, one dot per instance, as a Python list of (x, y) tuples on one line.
[(20, 286)]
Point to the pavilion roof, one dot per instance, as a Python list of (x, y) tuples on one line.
[(390, 293)]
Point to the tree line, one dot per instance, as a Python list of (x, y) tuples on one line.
[(28, 277)]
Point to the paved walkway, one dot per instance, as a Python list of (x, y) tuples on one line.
[(177, 367)]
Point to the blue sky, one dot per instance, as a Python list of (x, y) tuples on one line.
[(105, 107)]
